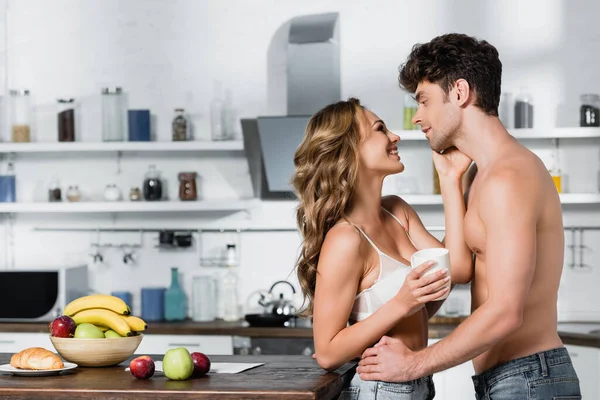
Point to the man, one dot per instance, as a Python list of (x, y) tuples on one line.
[(513, 225)]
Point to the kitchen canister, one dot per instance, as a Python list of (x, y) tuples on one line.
[(125, 296), (153, 303)]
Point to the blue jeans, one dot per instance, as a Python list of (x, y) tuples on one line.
[(548, 375), (419, 389)]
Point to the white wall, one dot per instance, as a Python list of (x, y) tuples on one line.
[(166, 54)]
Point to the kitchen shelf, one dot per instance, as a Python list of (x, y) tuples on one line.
[(565, 198), (129, 206), (529, 134), (60, 147)]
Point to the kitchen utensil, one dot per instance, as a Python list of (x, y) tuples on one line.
[(278, 305), (267, 320)]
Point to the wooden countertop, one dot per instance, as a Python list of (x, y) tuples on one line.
[(281, 378)]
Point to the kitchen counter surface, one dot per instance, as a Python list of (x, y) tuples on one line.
[(581, 334), (439, 326), (282, 378)]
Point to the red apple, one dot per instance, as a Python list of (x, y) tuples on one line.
[(63, 326), (201, 364), (142, 367)]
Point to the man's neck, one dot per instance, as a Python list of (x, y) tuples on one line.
[(482, 137)]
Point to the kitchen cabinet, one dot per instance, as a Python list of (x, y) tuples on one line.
[(11, 342), (209, 344), (586, 361)]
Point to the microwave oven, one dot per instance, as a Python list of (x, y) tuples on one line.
[(29, 295)]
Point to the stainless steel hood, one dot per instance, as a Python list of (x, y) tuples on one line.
[(303, 76)]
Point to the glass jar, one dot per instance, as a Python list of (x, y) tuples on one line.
[(20, 116), (217, 107), (180, 125), (506, 110), (112, 192), (589, 112), (66, 120), (187, 186), (113, 115), (54, 192), (152, 185), (73, 194), (523, 110), (410, 109), (135, 194)]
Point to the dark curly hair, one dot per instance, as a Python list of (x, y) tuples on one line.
[(447, 58)]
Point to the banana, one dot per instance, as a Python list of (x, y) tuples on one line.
[(103, 328), (135, 323), (99, 316), (97, 301)]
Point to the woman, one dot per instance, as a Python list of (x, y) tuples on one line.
[(354, 264)]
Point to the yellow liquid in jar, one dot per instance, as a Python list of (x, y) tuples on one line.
[(557, 182)]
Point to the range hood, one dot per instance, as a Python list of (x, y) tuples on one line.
[(303, 77)]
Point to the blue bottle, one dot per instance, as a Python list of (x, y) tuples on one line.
[(175, 299), (7, 186)]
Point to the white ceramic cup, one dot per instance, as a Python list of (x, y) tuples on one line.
[(442, 261)]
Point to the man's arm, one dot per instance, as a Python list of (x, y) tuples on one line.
[(508, 212)]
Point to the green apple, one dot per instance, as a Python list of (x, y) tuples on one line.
[(88, 331), (178, 364), (112, 334)]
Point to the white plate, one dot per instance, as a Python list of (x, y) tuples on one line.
[(31, 372)]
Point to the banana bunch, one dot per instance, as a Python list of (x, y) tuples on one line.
[(106, 312)]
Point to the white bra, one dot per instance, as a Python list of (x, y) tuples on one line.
[(392, 274)]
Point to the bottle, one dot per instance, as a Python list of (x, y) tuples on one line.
[(8, 186), (523, 110), (410, 108), (175, 300), (555, 171), (228, 116), (230, 282), (217, 105), (180, 126)]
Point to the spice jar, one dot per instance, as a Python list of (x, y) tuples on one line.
[(73, 193), (135, 194), (112, 192), (20, 115), (187, 186), (589, 112), (180, 125), (54, 192), (66, 120)]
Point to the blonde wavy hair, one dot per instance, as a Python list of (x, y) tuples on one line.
[(324, 179)]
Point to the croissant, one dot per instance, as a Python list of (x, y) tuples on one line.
[(36, 358)]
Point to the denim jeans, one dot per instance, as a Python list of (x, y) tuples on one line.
[(548, 375), (419, 389)]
